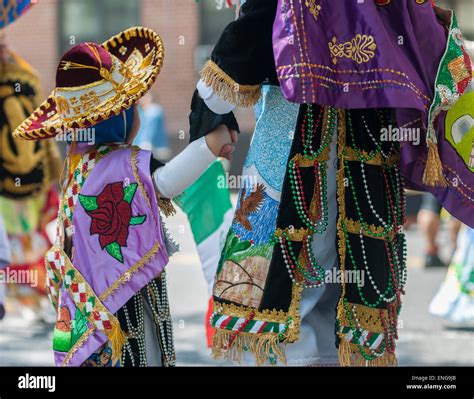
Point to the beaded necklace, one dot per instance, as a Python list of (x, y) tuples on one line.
[(311, 273), (395, 204)]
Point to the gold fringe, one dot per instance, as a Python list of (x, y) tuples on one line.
[(433, 174), (349, 355), (166, 206), (117, 338), (227, 88), (344, 352), (261, 346)]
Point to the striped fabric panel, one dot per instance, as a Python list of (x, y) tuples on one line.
[(368, 339), (230, 323)]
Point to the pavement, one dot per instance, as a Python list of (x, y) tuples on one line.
[(425, 340)]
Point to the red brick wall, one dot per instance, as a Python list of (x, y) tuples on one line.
[(177, 22)]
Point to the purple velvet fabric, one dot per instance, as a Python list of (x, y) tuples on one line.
[(396, 67), (100, 269)]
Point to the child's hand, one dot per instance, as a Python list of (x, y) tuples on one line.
[(221, 141)]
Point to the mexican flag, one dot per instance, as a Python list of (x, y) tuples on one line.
[(209, 211)]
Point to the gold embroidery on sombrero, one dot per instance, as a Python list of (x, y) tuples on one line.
[(120, 88)]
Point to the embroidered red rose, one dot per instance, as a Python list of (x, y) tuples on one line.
[(111, 216)]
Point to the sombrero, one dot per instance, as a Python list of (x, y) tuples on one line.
[(95, 82), (11, 9)]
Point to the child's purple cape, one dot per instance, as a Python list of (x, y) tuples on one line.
[(118, 248)]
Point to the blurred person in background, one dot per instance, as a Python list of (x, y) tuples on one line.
[(429, 222), (5, 258), (152, 135), (28, 178), (454, 300)]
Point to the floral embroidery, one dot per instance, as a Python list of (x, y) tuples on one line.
[(111, 216), (360, 49)]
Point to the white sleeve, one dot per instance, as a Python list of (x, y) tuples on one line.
[(184, 169), (212, 100)]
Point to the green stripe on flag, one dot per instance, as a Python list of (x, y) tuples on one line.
[(206, 201)]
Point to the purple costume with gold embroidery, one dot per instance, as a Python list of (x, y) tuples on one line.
[(366, 56), (116, 189)]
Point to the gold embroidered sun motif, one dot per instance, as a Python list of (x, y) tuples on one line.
[(360, 49), (314, 8)]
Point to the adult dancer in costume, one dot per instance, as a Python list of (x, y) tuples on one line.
[(12, 9), (5, 259), (106, 275), (28, 173), (455, 299), (314, 265)]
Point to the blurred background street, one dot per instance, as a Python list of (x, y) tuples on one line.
[(425, 340)]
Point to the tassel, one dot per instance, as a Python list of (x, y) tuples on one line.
[(388, 359), (166, 207), (117, 338), (433, 174), (344, 352), (349, 355), (228, 89), (264, 348)]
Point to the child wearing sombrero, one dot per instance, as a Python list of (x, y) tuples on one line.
[(106, 275)]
